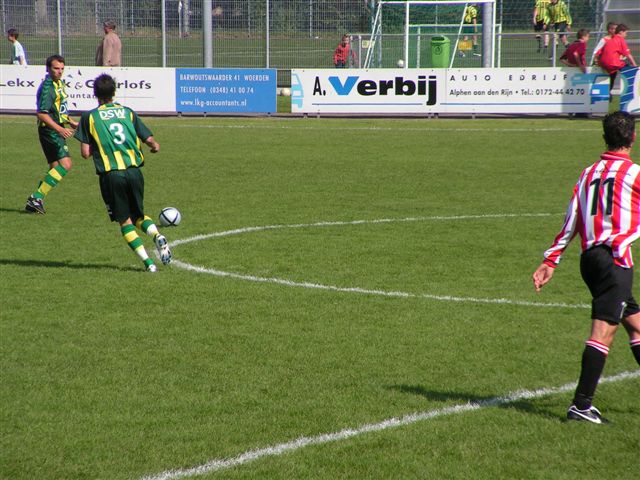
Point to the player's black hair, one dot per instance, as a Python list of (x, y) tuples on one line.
[(58, 58), (13, 32), (619, 130), (104, 87), (583, 32), (621, 28)]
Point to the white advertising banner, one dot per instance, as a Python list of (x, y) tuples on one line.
[(143, 89), (411, 91)]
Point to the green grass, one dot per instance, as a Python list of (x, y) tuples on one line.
[(113, 373)]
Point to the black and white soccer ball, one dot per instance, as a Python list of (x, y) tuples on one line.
[(170, 217)]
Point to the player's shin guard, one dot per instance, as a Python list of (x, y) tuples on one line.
[(51, 179), (593, 360), (135, 243), (147, 226), (635, 348)]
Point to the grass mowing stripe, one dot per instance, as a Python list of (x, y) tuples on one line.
[(342, 128), (290, 283), (276, 450), (239, 231)]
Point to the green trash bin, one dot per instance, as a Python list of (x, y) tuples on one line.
[(440, 51)]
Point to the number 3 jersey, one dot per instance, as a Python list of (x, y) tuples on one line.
[(604, 210), (114, 133)]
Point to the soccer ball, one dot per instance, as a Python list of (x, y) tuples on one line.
[(286, 92), (170, 217), (400, 63)]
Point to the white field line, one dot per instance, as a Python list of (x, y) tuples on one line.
[(364, 291), (279, 449)]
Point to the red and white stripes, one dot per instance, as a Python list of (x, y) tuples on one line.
[(604, 209), (601, 347)]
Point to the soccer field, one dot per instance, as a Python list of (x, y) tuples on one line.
[(350, 298)]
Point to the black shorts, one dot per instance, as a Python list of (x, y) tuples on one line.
[(53, 145), (540, 27), (560, 27), (610, 285), (123, 194)]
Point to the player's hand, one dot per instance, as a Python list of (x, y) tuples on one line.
[(541, 276), (67, 132), (154, 148)]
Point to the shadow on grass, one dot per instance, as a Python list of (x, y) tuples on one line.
[(54, 264), (482, 401), (15, 210)]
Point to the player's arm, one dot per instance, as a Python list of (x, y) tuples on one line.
[(552, 256), (83, 136), (48, 121), (152, 144), (85, 150), (578, 62), (535, 15)]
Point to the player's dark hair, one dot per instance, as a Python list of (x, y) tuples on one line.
[(13, 32), (104, 87), (621, 28), (619, 130), (57, 58), (611, 24), (583, 32)]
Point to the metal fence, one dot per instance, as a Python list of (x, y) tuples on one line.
[(280, 34)]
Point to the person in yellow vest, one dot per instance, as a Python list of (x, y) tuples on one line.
[(541, 23), (470, 27), (560, 18)]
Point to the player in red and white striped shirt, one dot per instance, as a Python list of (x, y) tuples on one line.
[(605, 211)]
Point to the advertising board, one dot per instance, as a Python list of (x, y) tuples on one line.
[(143, 89), (226, 90), (503, 90)]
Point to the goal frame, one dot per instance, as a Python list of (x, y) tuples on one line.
[(488, 22)]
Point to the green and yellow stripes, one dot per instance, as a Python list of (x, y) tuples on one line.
[(135, 243), (51, 180)]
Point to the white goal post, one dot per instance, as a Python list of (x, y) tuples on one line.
[(488, 22)]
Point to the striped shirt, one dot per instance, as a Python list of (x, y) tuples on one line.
[(604, 210), (542, 11), (114, 133), (559, 12), (470, 14), (51, 99)]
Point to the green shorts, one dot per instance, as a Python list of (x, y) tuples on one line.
[(469, 30), (123, 194), (53, 145)]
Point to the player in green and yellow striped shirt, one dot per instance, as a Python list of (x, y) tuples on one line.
[(541, 21), (560, 18), (52, 131), (113, 135)]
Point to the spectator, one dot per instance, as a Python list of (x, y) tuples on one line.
[(470, 27), (611, 31), (18, 57), (541, 23), (109, 50), (615, 54), (561, 18), (575, 54), (343, 56)]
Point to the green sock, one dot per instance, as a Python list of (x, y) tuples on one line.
[(51, 179), (135, 243), (147, 226)]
